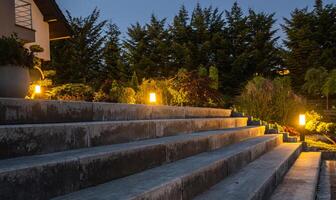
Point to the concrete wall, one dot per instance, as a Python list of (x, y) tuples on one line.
[(42, 32)]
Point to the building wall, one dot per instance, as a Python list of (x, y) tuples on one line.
[(39, 34), (7, 22), (42, 32), (7, 17)]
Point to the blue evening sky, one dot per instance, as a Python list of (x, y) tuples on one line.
[(126, 12)]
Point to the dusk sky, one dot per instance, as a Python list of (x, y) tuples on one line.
[(126, 12)]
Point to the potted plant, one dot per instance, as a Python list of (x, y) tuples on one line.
[(15, 61)]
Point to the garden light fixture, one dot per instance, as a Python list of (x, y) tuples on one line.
[(302, 120), (37, 89), (302, 123), (152, 97)]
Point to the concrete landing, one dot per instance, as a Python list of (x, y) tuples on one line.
[(300, 182), (182, 179), (258, 179)]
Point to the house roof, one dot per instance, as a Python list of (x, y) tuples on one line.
[(58, 25)]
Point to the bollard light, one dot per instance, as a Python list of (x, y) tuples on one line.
[(302, 120), (302, 123), (37, 89), (152, 97)]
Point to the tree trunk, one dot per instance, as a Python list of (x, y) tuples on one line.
[(327, 102)]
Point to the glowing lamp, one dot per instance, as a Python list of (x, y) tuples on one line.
[(302, 120), (37, 89), (152, 97)]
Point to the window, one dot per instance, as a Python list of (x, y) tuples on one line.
[(23, 14)]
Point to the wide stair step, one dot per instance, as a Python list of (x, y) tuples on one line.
[(183, 179), (24, 111), (32, 139), (258, 179), (301, 180), (42, 176)]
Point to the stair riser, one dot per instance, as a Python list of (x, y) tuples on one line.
[(266, 190), (21, 111), (26, 140), (189, 186), (77, 173)]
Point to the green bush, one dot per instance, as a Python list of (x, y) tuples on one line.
[(73, 92), (12, 52), (128, 96), (270, 100)]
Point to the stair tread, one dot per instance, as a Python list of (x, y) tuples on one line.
[(44, 159), (171, 173), (245, 183), (110, 122), (301, 180)]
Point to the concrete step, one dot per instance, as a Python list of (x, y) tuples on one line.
[(36, 177), (258, 179), (23, 111), (185, 178), (301, 180), (326, 189), (32, 139)]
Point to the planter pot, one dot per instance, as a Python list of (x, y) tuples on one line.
[(14, 81)]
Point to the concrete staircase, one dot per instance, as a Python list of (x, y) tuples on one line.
[(81, 150)]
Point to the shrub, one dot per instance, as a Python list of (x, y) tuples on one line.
[(12, 52), (192, 89), (73, 91), (128, 96), (101, 96), (270, 100)]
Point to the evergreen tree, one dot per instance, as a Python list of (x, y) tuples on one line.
[(134, 81), (79, 59), (137, 49), (310, 40), (180, 33), (114, 67), (213, 75)]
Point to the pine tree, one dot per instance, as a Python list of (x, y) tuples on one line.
[(213, 75), (79, 59), (114, 67), (311, 41)]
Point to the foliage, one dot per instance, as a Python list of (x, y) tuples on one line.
[(310, 40), (191, 89), (128, 96), (315, 124), (203, 39), (270, 100), (312, 120), (213, 75), (329, 86), (80, 58), (72, 91), (13, 53), (114, 67), (314, 80)]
